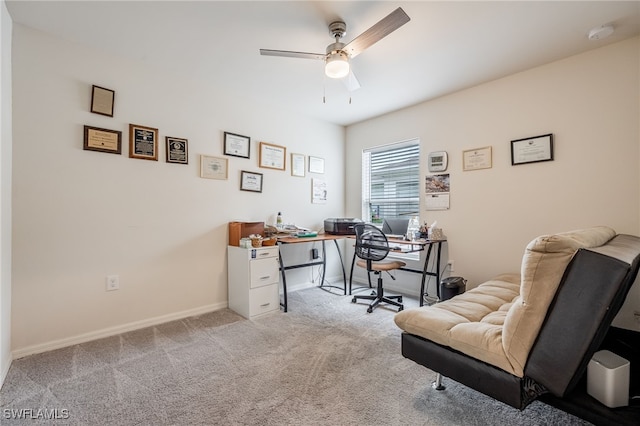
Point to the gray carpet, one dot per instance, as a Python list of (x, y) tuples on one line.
[(326, 362)]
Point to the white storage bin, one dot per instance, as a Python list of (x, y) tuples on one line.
[(608, 379)]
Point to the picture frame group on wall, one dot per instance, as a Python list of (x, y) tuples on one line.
[(237, 145), (532, 150), (143, 142), (250, 181)]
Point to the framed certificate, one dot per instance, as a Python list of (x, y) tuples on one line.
[(102, 100), (272, 156), (532, 150), (250, 181), (177, 150), (213, 167), (102, 140), (297, 165), (316, 165), (476, 159), (143, 142), (237, 145)]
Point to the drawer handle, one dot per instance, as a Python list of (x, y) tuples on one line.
[(266, 277), (264, 305)]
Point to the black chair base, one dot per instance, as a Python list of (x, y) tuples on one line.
[(379, 297)]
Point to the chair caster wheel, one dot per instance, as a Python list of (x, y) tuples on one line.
[(401, 308), (400, 299), (369, 310), (373, 293), (354, 300)]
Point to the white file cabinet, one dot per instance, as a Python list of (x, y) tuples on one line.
[(253, 276)]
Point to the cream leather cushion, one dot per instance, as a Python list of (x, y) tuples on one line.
[(498, 321), (543, 265)]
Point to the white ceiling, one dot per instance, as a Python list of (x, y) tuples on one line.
[(446, 47)]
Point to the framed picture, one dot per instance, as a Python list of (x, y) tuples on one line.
[(316, 165), (318, 191), (213, 167), (297, 165), (272, 156), (250, 181), (177, 150), (102, 100), (237, 145), (532, 150), (102, 140), (477, 158), (143, 142)]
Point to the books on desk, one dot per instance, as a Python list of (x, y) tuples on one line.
[(306, 234)]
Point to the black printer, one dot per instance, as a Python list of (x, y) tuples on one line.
[(340, 226)]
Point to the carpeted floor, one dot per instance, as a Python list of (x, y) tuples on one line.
[(326, 362)]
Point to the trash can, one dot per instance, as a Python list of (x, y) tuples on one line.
[(452, 286)]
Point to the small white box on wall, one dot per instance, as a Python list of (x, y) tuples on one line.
[(608, 379)]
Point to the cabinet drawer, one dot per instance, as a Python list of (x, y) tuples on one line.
[(264, 299), (264, 252), (264, 272)]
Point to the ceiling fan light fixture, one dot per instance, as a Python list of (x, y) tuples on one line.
[(337, 65)]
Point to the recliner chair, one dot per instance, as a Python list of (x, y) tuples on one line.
[(372, 247)]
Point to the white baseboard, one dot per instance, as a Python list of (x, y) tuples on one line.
[(112, 331)]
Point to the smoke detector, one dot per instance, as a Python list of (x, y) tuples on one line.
[(601, 32)]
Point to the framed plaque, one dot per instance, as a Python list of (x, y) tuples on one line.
[(143, 142), (250, 181), (213, 167), (177, 150), (237, 145), (316, 165), (476, 159), (532, 150), (102, 140), (272, 156), (102, 100), (297, 165)]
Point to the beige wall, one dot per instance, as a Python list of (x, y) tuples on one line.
[(589, 102), (79, 216)]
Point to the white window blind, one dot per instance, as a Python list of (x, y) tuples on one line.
[(391, 181)]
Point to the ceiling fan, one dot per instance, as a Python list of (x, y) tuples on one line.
[(338, 54)]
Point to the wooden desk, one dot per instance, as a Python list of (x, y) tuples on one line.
[(414, 246), (321, 238)]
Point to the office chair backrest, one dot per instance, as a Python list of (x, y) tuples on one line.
[(371, 243)]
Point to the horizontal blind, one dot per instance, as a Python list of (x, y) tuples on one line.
[(393, 175)]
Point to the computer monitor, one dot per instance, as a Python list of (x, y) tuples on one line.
[(395, 226)]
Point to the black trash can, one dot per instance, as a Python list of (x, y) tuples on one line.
[(452, 286)]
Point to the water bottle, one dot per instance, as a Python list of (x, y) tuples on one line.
[(279, 220), (413, 228)]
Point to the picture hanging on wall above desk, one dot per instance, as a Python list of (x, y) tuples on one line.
[(318, 191), (297, 165), (213, 167), (250, 181), (102, 140), (102, 100), (177, 150), (237, 145), (316, 165), (272, 156), (143, 142), (532, 150)]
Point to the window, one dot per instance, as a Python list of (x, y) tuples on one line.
[(391, 181)]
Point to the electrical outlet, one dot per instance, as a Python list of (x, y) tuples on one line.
[(450, 263), (314, 253), (113, 282)]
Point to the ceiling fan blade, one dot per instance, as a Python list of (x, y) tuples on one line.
[(289, 54), (378, 31), (351, 82)]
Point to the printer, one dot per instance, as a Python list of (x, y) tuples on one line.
[(340, 226)]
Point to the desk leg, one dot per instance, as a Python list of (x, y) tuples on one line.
[(284, 282), (425, 270), (438, 268), (353, 262), (344, 275), (324, 263)]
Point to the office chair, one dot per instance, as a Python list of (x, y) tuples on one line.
[(372, 247)]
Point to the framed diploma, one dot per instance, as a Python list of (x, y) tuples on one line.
[(476, 159), (102, 100), (272, 156), (177, 150), (250, 181), (213, 167), (143, 142), (102, 140), (297, 165), (532, 150), (316, 165), (237, 145)]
